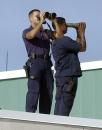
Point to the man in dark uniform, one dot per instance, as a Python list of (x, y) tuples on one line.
[(40, 80), (67, 65)]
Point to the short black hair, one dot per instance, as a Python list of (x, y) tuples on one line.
[(59, 20), (34, 10)]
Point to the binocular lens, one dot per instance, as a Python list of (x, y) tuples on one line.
[(50, 15), (53, 15), (47, 14)]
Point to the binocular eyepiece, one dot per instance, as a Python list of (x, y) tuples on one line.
[(50, 15)]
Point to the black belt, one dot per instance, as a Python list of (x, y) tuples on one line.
[(35, 56)]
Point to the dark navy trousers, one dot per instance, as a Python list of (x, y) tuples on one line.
[(65, 93), (40, 87)]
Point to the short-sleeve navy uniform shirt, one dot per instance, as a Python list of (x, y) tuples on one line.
[(65, 53), (39, 45)]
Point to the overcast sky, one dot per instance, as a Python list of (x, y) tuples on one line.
[(13, 20)]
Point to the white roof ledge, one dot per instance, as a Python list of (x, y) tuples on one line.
[(21, 73), (52, 119)]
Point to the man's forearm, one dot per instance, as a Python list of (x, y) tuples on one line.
[(81, 41), (34, 31), (81, 36)]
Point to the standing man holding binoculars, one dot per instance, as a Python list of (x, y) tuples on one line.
[(65, 52), (40, 77)]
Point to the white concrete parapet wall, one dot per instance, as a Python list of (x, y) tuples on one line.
[(21, 73), (14, 120)]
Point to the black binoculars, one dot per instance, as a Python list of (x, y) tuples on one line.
[(50, 15)]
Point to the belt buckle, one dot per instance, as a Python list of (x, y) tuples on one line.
[(33, 55), (45, 56)]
